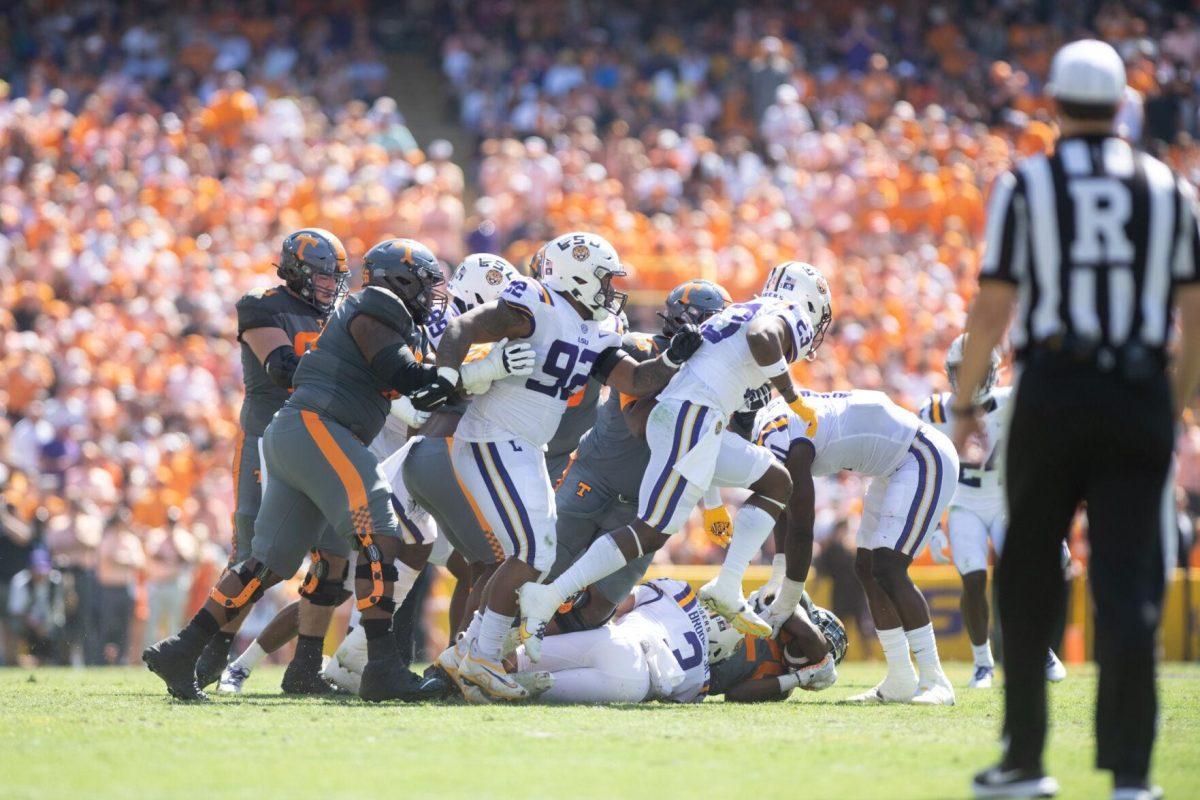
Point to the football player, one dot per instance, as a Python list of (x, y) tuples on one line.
[(369, 352), (978, 512), (276, 327), (913, 470), (497, 448), (745, 345)]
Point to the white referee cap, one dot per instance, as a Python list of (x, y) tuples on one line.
[(1088, 72)]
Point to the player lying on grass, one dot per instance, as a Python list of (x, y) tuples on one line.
[(662, 645)]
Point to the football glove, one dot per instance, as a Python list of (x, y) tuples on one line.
[(403, 410), (805, 412), (434, 394), (754, 399), (504, 360), (684, 344), (939, 546), (718, 525)]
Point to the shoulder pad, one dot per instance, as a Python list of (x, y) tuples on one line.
[(934, 409), (383, 305), (526, 292), (253, 311)]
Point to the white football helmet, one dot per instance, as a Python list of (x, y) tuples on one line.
[(479, 279), (583, 266), (954, 357), (723, 639), (803, 284)]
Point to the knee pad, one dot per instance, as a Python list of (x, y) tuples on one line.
[(322, 589), (252, 575), (570, 618), (381, 577)]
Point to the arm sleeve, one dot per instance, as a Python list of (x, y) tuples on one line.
[(1184, 270), (253, 313), (281, 365), (605, 362), (1006, 237), (398, 369)]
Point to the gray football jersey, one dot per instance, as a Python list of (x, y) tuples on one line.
[(609, 449), (579, 417), (335, 379), (271, 308)]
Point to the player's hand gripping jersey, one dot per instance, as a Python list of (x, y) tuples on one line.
[(720, 373), (568, 350)]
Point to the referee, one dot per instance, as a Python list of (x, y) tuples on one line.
[(1094, 245)]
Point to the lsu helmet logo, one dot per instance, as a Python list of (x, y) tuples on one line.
[(580, 252), (493, 276)]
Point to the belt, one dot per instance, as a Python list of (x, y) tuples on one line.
[(1132, 361)]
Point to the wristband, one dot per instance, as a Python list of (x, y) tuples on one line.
[(449, 374), (788, 681), (780, 367), (666, 359), (967, 410)]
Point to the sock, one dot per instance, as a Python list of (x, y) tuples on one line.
[(895, 651), (778, 573), (983, 654), (491, 634), (925, 650), (472, 631), (197, 633), (308, 650), (250, 657), (603, 558), (751, 527), (789, 595), (406, 577), (380, 642)]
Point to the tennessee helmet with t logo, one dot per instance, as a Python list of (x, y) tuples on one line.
[(411, 271), (803, 284), (692, 302), (312, 262), (583, 265)]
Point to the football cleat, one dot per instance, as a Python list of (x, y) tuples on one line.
[(982, 679), (1000, 782), (490, 677), (170, 661), (450, 658), (304, 679), (1137, 793), (939, 693), (733, 607), (232, 680), (1055, 671), (539, 603), (890, 690), (213, 660), (536, 683), (341, 675), (389, 679)]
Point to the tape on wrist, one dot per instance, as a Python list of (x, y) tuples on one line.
[(780, 367), (449, 374), (788, 681), (670, 362)]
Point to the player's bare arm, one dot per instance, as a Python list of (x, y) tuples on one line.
[(1187, 363), (800, 512), (628, 376), (275, 351), (771, 340), (490, 322)]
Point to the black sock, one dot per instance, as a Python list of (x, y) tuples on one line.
[(308, 649), (380, 642), (199, 631)]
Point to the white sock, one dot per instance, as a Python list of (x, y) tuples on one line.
[(751, 527), (603, 558), (250, 657), (983, 654), (925, 651), (895, 651), (778, 573), (789, 595), (491, 634), (472, 631), (405, 579)]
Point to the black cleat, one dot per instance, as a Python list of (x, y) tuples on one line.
[(213, 660), (171, 660), (438, 679), (301, 678), (388, 679), (1001, 782)]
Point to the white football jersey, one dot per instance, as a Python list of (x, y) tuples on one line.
[(980, 485), (719, 374), (668, 610), (861, 431), (566, 348)]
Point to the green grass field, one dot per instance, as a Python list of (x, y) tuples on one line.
[(101, 734)]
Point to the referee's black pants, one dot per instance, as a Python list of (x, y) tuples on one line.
[(1081, 435)]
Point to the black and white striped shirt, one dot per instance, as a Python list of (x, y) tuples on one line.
[(1096, 237)]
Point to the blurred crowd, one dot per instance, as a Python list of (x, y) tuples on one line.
[(153, 154)]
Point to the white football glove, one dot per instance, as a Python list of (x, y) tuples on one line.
[(503, 361), (403, 410), (819, 676), (939, 546)]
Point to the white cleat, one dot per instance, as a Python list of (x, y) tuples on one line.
[(1055, 671), (451, 659), (232, 679), (341, 674), (474, 695), (490, 677), (940, 693), (733, 606), (983, 677), (1137, 793), (889, 690), (536, 683), (539, 603)]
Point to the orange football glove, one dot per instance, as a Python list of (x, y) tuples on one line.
[(806, 413), (718, 525)]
